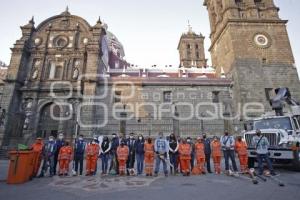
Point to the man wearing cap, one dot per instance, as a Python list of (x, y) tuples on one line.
[(64, 158), (185, 150), (200, 157), (161, 147), (92, 153), (122, 154), (60, 142), (48, 157), (228, 144), (37, 147), (261, 145)]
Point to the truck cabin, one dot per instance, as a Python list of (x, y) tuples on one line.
[(287, 123)]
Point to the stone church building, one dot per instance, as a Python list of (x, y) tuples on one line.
[(68, 76)]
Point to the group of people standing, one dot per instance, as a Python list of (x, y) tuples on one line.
[(136, 155)]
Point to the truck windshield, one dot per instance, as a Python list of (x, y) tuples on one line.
[(275, 123)]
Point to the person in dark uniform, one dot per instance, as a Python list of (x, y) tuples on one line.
[(173, 153), (114, 167), (60, 142), (105, 149), (48, 155), (207, 151), (140, 154), (79, 149), (131, 157)]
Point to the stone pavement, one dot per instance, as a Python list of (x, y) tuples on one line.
[(143, 188)]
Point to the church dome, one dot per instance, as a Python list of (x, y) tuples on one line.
[(115, 45)]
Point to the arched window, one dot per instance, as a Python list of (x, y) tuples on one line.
[(188, 54)]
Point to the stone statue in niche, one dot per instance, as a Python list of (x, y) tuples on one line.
[(26, 122), (75, 73), (35, 70), (76, 70), (35, 74), (29, 104)]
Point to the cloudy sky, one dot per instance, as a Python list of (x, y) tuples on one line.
[(149, 29)]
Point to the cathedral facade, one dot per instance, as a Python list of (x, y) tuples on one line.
[(68, 76)]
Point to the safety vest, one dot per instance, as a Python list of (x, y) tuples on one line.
[(92, 150), (185, 150), (149, 148), (241, 148), (216, 148), (37, 147), (122, 153), (199, 148), (65, 153)]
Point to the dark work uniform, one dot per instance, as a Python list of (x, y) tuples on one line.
[(59, 144), (173, 155), (131, 156), (207, 151), (140, 152), (79, 155), (48, 154), (114, 166), (105, 156)]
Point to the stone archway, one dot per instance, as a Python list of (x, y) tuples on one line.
[(47, 125)]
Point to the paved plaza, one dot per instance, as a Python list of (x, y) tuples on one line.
[(174, 187)]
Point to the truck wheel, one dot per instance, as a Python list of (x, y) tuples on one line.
[(251, 162), (296, 161)]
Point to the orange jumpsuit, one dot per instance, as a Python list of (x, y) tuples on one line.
[(122, 154), (37, 147), (92, 152), (200, 157), (185, 157), (241, 149), (217, 155), (64, 158), (149, 158)]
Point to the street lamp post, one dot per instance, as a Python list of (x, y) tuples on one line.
[(175, 121), (123, 121), (150, 123)]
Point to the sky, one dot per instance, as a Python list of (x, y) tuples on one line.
[(149, 29)]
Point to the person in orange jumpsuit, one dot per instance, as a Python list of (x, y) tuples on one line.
[(241, 149), (37, 147), (216, 154), (64, 158), (122, 155), (92, 152), (200, 157), (149, 157), (185, 157)]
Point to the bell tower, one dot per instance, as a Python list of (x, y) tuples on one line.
[(191, 49), (250, 42)]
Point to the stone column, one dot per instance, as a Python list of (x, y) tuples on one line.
[(16, 76)]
